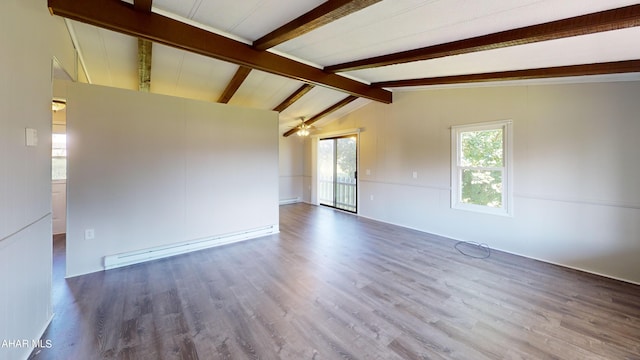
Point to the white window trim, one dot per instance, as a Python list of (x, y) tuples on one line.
[(315, 180), (507, 180)]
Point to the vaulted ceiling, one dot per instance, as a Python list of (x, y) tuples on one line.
[(322, 59)]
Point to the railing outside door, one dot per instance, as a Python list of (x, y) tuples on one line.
[(337, 173)]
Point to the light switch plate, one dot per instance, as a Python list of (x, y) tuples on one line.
[(30, 137)]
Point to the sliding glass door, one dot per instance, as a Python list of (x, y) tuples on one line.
[(337, 172)]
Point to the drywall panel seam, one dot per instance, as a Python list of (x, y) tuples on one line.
[(25, 227), (442, 188), (592, 202)]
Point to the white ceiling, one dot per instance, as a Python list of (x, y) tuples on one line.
[(386, 27)]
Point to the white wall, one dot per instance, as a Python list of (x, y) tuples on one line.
[(576, 169), (25, 177), (291, 171), (147, 170), (64, 52)]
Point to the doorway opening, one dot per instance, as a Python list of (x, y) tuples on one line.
[(59, 171), (338, 172)]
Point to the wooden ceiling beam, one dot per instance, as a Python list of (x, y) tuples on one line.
[(294, 97), (325, 13), (233, 86), (616, 67), (143, 5), (324, 113), (119, 16), (145, 49), (614, 19)]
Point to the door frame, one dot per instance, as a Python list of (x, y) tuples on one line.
[(315, 180), (335, 184)]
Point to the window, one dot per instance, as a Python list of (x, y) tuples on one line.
[(481, 167), (59, 157)]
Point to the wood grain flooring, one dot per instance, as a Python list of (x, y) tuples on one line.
[(335, 286)]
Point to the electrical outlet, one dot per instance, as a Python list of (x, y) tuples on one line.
[(371, 197), (89, 234), (415, 174)]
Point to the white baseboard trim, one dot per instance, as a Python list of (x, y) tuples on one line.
[(43, 341), (509, 252), (289, 201), (573, 267), (136, 257)]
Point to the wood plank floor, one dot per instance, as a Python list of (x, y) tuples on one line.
[(335, 286)]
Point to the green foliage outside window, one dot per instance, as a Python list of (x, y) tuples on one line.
[(482, 160), (482, 187), (346, 157)]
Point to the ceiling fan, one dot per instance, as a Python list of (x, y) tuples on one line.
[(304, 129)]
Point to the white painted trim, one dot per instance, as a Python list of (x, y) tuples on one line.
[(484, 125), (592, 202), (315, 180), (76, 45), (570, 267), (313, 196), (135, 257), (540, 197), (289, 201), (505, 251), (422, 186), (507, 169), (57, 62), (44, 328), (354, 131)]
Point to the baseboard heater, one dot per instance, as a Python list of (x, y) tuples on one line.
[(135, 257), (290, 201)]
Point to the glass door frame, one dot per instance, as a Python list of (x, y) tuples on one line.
[(335, 136)]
